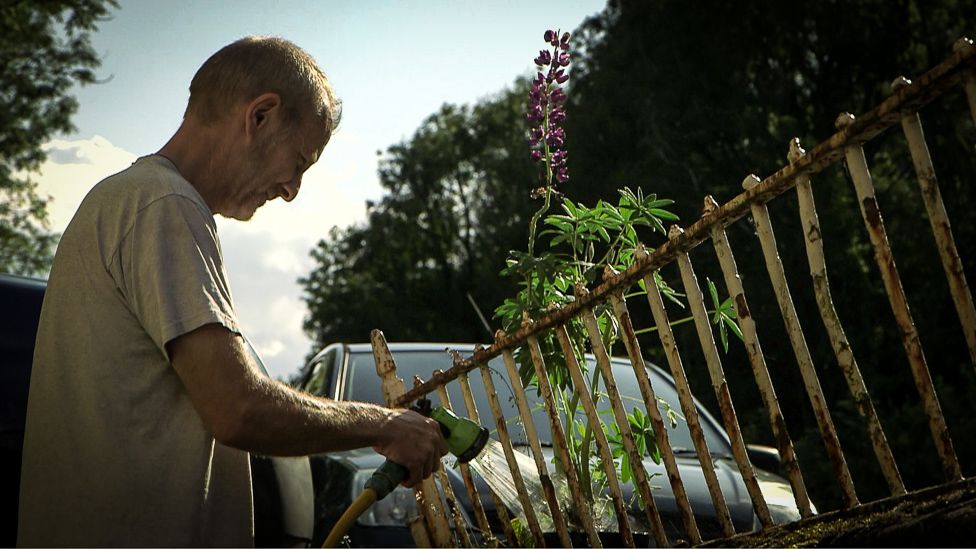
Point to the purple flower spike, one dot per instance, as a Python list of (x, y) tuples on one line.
[(546, 111)]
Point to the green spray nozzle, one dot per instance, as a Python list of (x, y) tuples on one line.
[(465, 439)]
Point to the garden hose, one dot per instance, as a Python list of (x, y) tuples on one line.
[(465, 439), (358, 507)]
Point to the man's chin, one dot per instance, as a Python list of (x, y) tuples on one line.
[(241, 215)]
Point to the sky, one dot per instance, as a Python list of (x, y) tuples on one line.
[(393, 63)]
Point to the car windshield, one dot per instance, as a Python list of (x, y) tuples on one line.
[(364, 385)]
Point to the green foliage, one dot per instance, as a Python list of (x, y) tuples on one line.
[(45, 49), (522, 533)]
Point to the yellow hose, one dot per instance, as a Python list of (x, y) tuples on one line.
[(367, 498)]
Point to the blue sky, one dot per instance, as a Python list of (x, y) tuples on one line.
[(393, 63)]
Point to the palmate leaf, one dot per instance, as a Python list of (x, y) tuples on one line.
[(723, 316)]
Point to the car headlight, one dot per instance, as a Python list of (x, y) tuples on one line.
[(396, 509), (779, 499)]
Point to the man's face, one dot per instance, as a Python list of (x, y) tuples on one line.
[(274, 166)]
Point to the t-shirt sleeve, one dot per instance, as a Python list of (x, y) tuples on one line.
[(173, 273)]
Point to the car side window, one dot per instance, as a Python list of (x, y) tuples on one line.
[(322, 381)]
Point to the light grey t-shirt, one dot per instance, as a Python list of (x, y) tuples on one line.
[(114, 452)]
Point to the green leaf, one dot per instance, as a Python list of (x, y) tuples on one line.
[(732, 325), (664, 214), (713, 292)]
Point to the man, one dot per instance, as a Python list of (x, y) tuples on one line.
[(144, 401)]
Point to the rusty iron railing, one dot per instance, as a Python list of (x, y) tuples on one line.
[(440, 514)]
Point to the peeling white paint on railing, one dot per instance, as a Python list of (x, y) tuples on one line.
[(813, 239)]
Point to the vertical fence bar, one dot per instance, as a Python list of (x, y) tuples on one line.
[(777, 276), (540, 460), (641, 481), (657, 422), (602, 444), (559, 438), (911, 123), (858, 166), (472, 412), (393, 387), (758, 362), (452, 501), (686, 400), (506, 442), (813, 240), (419, 532), (696, 301), (962, 45)]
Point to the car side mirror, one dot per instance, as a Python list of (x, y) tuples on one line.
[(764, 457)]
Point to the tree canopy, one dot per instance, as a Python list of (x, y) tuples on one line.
[(45, 49)]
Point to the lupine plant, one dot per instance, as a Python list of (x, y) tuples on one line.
[(581, 241)]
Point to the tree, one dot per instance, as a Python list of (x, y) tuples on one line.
[(458, 200), (45, 49)]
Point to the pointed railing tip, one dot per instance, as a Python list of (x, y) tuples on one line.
[(899, 83), (795, 150), (843, 120), (640, 251), (963, 44), (456, 357), (750, 181), (580, 290), (710, 205)]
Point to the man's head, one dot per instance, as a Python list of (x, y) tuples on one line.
[(271, 110), (254, 65)]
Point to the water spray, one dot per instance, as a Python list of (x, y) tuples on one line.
[(464, 437)]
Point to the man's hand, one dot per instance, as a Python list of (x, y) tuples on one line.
[(413, 441)]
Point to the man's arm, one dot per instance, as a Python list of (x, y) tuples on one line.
[(245, 409)]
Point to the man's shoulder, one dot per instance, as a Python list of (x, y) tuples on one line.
[(147, 180)]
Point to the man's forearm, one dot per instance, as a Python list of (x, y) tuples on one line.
[(281, 421)]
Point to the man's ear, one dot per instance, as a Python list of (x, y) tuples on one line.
[(259, 113)]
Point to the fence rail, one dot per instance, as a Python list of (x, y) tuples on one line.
[(846, 146)]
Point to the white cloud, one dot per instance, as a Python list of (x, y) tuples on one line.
[(265, 256), (72, 169)]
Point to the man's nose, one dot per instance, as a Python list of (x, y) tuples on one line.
[(290, 190)]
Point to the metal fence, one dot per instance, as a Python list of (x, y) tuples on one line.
[(438, 504)]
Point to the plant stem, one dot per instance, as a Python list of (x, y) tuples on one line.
[(675, 323)]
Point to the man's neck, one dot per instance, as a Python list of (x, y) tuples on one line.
[(193, 150)]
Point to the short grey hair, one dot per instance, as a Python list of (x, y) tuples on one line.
[(254, 65)]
